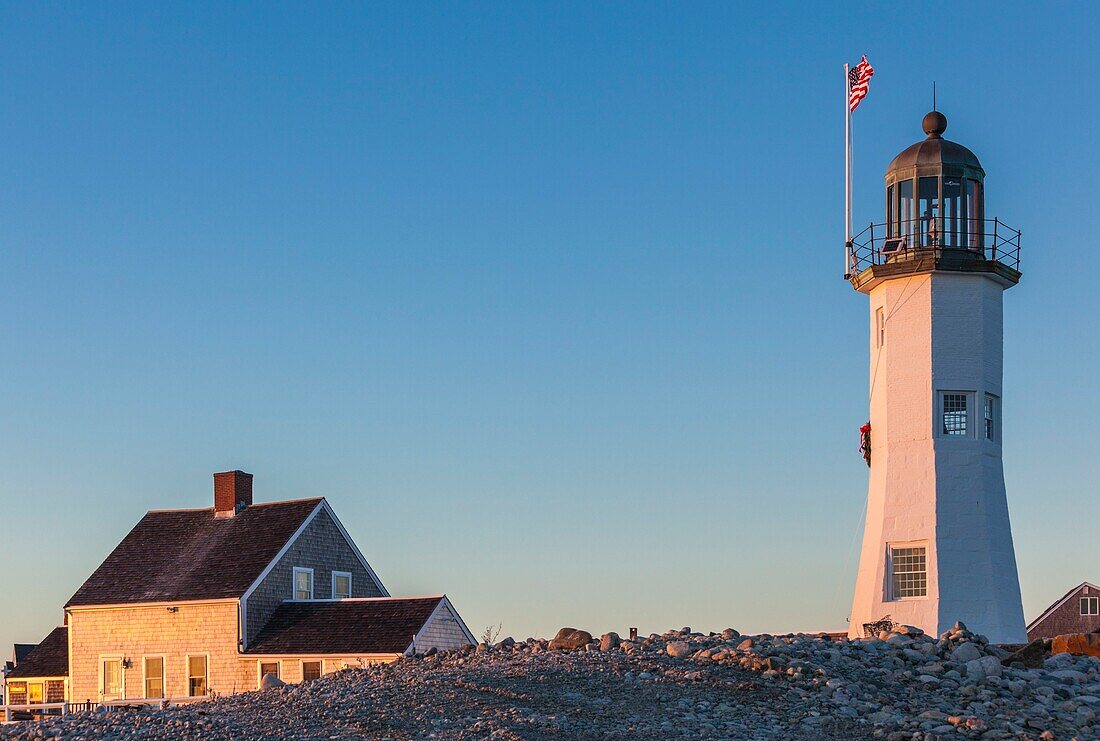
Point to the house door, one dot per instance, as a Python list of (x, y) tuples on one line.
[(111, 682)]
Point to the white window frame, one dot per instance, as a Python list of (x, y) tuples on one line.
[(891, 595), (121, 675), (970, 414), (993, 435), (1093, 605), (163, 676), (259, 669), (187, 673), (341, 573), (294, 583), (880, 326), (302, 667)]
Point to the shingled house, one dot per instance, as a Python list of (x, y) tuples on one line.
[(39, 673), (207, 601), (1078, 611)]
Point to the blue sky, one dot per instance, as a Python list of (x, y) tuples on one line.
[(545, 298)]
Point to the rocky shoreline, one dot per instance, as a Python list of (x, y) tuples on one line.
[(899, 686)]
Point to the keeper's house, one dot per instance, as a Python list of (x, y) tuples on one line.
[(208, 601), (1076, 612)]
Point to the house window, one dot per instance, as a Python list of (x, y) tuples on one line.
[(268, 667), (154, 676), (34, 693), (955, 415), (910, 572), (880, 327), (303, 583), (311, 670), (1090, 605), (17, 693), (990, 417), (197, 674), (341, 585), (110, 679)]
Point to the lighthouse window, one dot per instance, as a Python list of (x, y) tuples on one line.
[(880, 327), (905, 208), (910, 570), (954, 415), (990, 417), (928, 207)]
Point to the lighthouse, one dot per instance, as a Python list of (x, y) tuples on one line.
[(937, 543)]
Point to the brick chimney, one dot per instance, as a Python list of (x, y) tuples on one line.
[(232, 492)]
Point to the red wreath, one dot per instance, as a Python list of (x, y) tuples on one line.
[(865, 442)]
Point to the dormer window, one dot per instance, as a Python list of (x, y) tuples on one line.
[(341, 585), (303, 584)]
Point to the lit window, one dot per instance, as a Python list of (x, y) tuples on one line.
[(341, 585), (955, 416), (110, 679), (311, 670), (34, 693), (154, 676), (910, 572), (269, 667), (196, 676), (990, 417), (303, 583), (1090, 605), (880, 327)]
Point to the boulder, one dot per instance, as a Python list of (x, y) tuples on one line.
[(678, 649), (730, 634), (1078, 644), (609, 641), (1031, 655), (570, 639), (965, 652), (270, 682)]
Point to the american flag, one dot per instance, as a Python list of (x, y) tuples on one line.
[(859, 82)]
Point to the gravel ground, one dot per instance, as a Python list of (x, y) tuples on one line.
[(679, 685)]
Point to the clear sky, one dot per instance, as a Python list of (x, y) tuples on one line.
[(545, 298)]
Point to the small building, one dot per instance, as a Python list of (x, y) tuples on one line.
[(200, 602), (40, 672), (1076, 612)]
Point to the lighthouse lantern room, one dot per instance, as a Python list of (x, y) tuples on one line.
[(937, 544)]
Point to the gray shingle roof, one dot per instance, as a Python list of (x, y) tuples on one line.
[(178, 555), (50, 658), (347, 627)]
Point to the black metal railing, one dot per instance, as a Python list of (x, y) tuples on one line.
[(879, 244)]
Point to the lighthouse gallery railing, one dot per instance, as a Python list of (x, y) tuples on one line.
[(879, 244)]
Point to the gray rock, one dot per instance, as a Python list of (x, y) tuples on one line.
[(678, 649), (609, 641), (270, 682), (570, 639), (965, 652)]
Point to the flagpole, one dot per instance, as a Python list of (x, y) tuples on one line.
[(847, 172)]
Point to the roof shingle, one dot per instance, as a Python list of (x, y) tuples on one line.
[(356, 626), (178, 555), (50, 658)]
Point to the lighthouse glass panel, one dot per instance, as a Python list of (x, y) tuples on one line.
[(929, 212), (975, 213), (954, 414), (954, 213), (905, 209), (910, 572)]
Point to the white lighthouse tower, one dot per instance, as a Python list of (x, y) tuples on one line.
[(937, 546)]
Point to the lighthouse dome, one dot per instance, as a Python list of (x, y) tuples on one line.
[(935, 153)]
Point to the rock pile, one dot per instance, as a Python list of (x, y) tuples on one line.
[(901, 685)]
